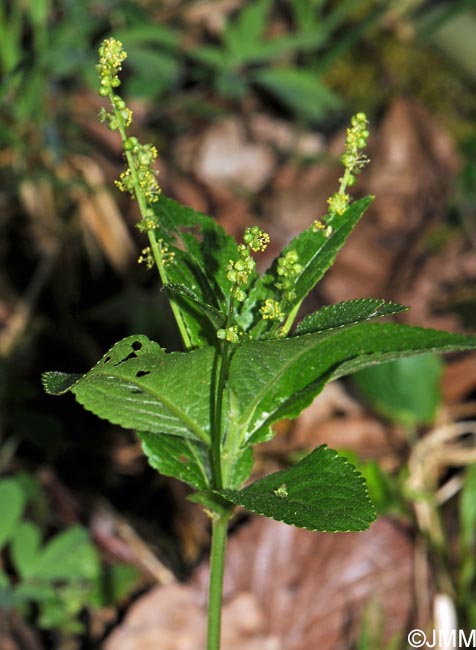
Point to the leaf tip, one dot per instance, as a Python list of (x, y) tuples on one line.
[(57, 383)]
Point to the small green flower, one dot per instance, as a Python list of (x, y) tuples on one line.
[(271, 310), (139, 179), (146, 258), (143, 156), (168, 256), (111, 55), (238, 271), (148, 222), (230, 334), (288, 269), (318, 225), (353, 160), (256, 239), (338, 202)]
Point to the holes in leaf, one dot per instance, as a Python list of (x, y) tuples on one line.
[(142, 373), (131, 355), (136, 391), (136, 346), (106, 359)]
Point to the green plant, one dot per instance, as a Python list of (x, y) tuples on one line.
[(406, 391), (246, 57), (58, 577), (467, 547), (199, 412)]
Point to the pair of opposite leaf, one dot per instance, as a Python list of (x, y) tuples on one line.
[(165, 397)]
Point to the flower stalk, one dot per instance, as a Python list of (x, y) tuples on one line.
[(139, 178)]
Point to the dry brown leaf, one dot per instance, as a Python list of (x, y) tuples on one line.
[(285, 589), (299, 196), (100, 215), (413, 166), (16, 634), (459, 379), (433, 288), (336, 419)]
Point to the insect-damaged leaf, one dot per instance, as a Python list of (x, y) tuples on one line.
[(138, 386)]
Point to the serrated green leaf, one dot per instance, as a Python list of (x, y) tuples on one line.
[(215, 317), (58, 383), (177, 457), (301, 90), (12, 503), (322, 492), (406, 391), (205, 241), (202, 250), (276, 379), (317, 250), (25, 547), (138, 386), (69, 555), (347, 313)]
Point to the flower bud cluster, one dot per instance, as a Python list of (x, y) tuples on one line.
[(230, 334), (256, 239), (238, 271), (288, 269), (111, 56), (146, 258), (167, 256), (139, 179), (353, 160), (356, 139), (271, 310), (121, 112), (338, 202), (143, 156)]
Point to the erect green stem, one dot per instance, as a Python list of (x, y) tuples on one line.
[(216, 438), (154, 246), (220, 522), (215, 590)]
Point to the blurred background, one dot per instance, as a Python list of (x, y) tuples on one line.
[(247, 103)]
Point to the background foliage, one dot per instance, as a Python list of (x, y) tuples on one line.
[(69, 285)]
